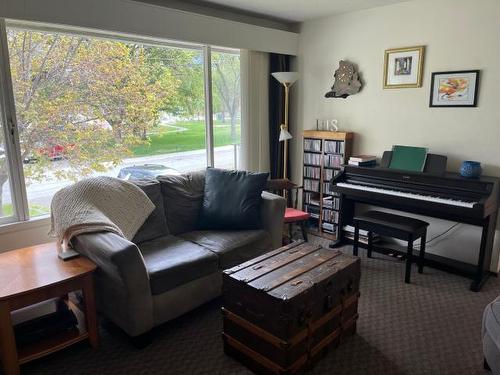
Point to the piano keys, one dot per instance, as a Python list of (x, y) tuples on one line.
[(404, 194), (446, 196)]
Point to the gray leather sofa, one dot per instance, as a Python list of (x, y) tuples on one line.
[(170, 267)]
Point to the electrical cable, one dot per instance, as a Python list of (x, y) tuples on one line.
[(439, 235), (442, 234)]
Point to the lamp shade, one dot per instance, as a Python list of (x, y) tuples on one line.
[(286, 77), (284, 134)]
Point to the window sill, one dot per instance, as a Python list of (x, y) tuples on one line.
[(17, 226)]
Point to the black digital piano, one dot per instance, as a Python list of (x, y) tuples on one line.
[(442, 195)]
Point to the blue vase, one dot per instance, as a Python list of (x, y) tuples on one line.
[(470, 169)]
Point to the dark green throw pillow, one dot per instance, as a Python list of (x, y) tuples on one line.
[(231, 199)]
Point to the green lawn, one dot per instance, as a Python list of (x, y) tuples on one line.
[(35, 210), (168, 139)]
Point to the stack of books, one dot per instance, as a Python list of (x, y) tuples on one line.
[(329, 228), (363, 234), (363, 161)]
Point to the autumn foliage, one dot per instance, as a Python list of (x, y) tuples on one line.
[(93, 100)]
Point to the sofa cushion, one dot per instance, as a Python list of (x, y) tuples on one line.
[(171, 261), (232, 247), (231, 199), (156, 224), (182, 196)]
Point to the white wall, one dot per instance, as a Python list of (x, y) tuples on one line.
[(458, 35), (148, 20), (221, 11), (24, 234)]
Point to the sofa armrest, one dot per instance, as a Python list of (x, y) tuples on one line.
[(122, 283), (272, 213)]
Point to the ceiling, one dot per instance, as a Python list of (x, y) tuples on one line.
[(296, 10)]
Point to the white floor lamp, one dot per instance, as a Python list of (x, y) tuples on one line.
[(287, 79)]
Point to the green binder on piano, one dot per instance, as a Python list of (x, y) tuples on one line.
[(408, 158)]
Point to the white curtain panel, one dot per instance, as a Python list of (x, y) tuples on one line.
[(255, 77)]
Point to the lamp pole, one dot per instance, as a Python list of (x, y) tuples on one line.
[(285, 126), (287, 79)]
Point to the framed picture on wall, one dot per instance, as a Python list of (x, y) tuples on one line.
[(403, 67), (454, 89)]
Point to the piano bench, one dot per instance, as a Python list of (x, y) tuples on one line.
[(395, 226)]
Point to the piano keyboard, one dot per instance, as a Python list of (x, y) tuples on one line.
[(428, 198)]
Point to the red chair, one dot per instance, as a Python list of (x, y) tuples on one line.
[(290, 191)]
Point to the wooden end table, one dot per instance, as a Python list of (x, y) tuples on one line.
[(35, 274)]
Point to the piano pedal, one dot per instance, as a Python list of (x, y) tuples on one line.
[(397, 256)]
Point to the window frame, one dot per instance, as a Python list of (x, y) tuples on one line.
[(20, 211), (8, 117), (235, 52)]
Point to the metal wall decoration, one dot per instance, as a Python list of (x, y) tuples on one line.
[(346, 82)]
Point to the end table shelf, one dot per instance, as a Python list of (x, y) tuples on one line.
[(27, 353), (34, 274), (50, 345)]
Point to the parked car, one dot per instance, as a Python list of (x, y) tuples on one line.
[(146, 171), (53, 153)]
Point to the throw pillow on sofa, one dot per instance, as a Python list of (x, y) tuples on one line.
[(182, 196), (231, 199), (156, 224)]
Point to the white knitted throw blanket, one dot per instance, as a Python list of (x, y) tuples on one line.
[(98, 204)]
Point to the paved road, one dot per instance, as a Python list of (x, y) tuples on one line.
[(42, 192)]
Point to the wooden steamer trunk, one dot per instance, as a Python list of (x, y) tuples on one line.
[(282, 310)]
